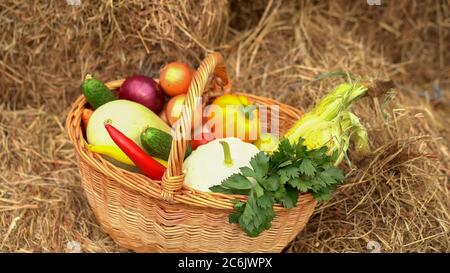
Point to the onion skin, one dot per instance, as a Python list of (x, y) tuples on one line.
[(174, 108), (162, 115), (143, 90), (175, 78)]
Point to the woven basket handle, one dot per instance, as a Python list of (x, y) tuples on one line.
[(213, 66)]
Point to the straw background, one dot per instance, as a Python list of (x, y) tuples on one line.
[(398, 196)]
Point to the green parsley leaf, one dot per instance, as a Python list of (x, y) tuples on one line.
[(307, 167), (300, 149), (323, 195), (290, 172), (318, 154), (237, 182), (257, 214), (285, 163), (271, 183), (220, 189), (285, 147), (260, 165), (259, 190), (266, 200), (233, 218), (300, 184), (248, 172), (335, 173), (287, 196), (238, 204)]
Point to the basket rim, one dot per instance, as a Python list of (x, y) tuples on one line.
[(153, 188)]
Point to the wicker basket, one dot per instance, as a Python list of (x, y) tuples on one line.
[(164, 216)]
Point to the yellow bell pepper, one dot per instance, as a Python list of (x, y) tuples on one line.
[(117, 154), (234, 116)]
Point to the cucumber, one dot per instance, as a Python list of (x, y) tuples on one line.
[(96, 92), (188, 151), (157, 143)]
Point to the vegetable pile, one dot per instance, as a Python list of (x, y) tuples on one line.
[(131, 127), (305, 161), (229, 153)]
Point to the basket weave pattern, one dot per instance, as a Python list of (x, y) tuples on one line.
[(164, 216)]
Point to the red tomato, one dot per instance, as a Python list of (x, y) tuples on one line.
[(205, 137)]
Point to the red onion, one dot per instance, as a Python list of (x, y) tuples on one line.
[(143, 90)]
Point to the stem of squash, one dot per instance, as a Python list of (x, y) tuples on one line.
[(228, 161)]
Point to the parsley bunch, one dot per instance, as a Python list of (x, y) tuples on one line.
[(280, 177)]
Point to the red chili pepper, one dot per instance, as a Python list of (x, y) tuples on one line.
[(143, 161)]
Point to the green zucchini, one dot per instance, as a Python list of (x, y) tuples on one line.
[(158, 143)]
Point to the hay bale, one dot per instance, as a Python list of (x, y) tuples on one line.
[(398, 196), (49, 47), (45, 50)]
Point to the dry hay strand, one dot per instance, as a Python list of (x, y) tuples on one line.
[(397, 196)]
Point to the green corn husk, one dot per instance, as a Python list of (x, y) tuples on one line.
[(330, 123), (358, 132)]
